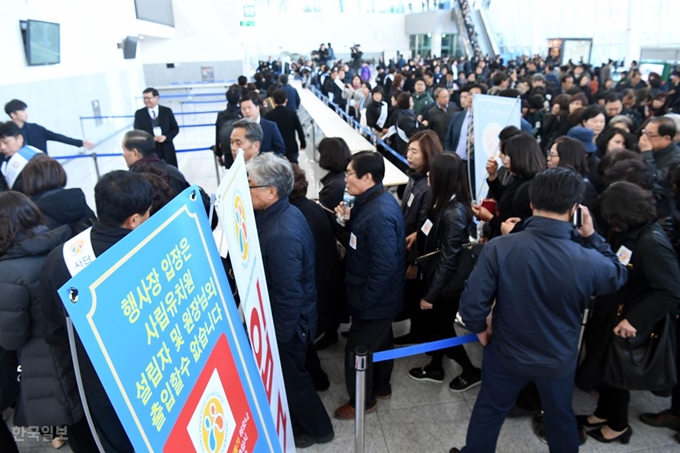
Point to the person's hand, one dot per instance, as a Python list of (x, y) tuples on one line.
[(411, 272), (555, 109), (410, 240), (160, 138), (485, 337), (425, 123), (302, 149), (587, 229), (425, 305), (343, 210), (509, 225), (88, 144), (623, 329), (644, 144), (420, 118), (220, 160), (481, 213), (492, 168)]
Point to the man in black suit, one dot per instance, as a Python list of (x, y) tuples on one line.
[(288, 123), (159, 121), (272, 140)]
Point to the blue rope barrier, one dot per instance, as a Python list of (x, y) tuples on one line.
[(132, 116), (221, 101), (81, 156), (198, 125), (423, 348)]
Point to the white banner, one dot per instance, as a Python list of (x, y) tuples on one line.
[(235, 209)]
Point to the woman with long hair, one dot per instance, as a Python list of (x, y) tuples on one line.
[(442, 236), (523, 158), (415, 203), (47, 396), (569, 152)]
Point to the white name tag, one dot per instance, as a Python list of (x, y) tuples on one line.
[(157, 131), (427, 226), (624, 254), (353, 241), (410, 200)]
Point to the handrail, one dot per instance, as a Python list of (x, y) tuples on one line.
[(107, 117)]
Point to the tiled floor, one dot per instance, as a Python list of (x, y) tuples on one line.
[(420, 417)]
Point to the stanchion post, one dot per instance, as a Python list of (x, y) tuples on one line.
[(313, 140), (96, 165), (360, 364), (217, 168)]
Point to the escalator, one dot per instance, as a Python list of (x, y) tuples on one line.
[(485, 40)]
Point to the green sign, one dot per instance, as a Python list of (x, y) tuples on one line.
[(247, 23)]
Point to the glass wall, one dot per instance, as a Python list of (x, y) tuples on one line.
[(355, 6), (421, 45)]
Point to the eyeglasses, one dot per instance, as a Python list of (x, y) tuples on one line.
[(650, 135), (350, 173), (257, 187)]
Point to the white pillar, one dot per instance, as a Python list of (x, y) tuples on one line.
[(633, 32)]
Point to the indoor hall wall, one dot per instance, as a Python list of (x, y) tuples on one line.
[(207, 33), (91, 68)]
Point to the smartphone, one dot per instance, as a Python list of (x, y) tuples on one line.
[(577, 219)]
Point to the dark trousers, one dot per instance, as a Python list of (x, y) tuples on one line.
[(7, 443), (292, 155), (80, 437), (109, 428), (613, 407), (307, 413), (497, 395), (313, 367), (375, 335), (675, 400)]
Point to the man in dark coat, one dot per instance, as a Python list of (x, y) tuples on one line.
[(291, 93), (35, 134), (438, 114), (541, 345), (376, 265), (123, 200), (224, 123), (159, 121), (658, 150), (288, 256), (289, 124), (271, 136)]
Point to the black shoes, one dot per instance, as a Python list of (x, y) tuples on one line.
[(624, 437), (427, 373), (465, 382), (582, 420), (538, 426), (305, 441), (663, 419), (326, 341)]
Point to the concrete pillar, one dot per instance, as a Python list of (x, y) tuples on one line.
[(633, 32)]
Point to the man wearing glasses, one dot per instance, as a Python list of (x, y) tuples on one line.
[(159, 121), (658, 149)]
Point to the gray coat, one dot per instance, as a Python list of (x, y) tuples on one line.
[(48, 392)]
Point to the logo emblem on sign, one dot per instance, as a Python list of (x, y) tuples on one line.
[(77, 247), (212, 432), (241, 227)]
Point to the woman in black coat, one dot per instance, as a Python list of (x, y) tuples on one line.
[(569, 152), (651, 294), (47, 397), (446, 230), (415, 204), (523, 158), (45, 182), (334, 155), (330, 285)]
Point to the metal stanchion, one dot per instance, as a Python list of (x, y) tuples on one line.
[(360, 363), (96, 165), (314, 151), (217, 168)]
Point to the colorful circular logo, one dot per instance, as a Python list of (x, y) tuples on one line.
[(77, 247), (213, 426), (241, 227)]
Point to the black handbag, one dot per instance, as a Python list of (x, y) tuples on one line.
[(643, 362)]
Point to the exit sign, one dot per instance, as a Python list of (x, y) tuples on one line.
[(247, 23)]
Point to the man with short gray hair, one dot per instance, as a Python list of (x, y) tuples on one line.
[(288, 256), (246, 135)]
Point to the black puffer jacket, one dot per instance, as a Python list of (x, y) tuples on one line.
[(44, 400), (415, 202), (65, 207), (448, 234)]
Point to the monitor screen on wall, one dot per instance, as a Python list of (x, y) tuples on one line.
[(41, 41), (158, 11)]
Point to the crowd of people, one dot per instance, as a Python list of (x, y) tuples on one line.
[(581, 215)]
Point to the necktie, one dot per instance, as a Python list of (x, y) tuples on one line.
[(153, 116)]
